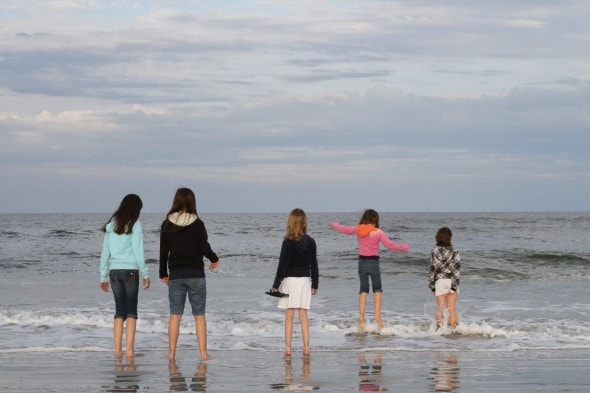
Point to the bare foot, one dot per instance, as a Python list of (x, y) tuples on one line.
[(287, 355), (379, 323), (130, 354), (361, 325), (205, 357), (171, 355), (306, 355), (118, 354)]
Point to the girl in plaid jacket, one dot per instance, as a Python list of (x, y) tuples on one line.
[(443, 276)]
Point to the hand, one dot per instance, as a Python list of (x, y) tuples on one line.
[(164, 280), (104, 286), (213, 265), (146, 283), (314, 291)]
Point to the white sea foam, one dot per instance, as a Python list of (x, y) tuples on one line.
[(518, 291), (53, 349)]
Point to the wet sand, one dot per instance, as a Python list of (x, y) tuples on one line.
[(252, 371)]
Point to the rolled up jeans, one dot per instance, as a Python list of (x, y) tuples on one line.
[(125, 286), (369, 267)]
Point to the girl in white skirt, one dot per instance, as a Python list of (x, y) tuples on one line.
[(297, 275)]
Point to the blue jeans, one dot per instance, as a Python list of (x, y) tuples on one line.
[(369, 268), (195, 288), (125, 286)]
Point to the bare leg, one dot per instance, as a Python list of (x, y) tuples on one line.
[(173, 332), (130, 327), (362, 303), (289, 315), (201, 324), (118, 336), (377, 302), (451, 301), (304, 330), (441, 304)]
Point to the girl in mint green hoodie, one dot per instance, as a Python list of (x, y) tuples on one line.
[(121, 261)]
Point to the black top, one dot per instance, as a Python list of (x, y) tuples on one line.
[(182, 249), (298, 259)]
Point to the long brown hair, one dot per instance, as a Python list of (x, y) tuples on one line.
[(184, 201), (370, 216), (126, 215), (296, 224), (443, 237)]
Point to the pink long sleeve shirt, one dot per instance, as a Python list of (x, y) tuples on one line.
[(369, 238)]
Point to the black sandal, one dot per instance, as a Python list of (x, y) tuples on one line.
[(277, 294)]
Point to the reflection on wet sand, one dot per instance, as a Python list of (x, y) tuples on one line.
[(126, 377), (292, 385), (445, 374), (178, 382), (370, 377)]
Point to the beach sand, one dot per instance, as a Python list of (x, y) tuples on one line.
[(253, 371)]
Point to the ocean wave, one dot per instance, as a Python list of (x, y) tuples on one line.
[(558, 260), (495, 274), (62, 233), (15, 263), (10, 234), (56, 318), (54, 349)]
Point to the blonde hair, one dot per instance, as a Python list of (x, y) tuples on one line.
[(296, 225)]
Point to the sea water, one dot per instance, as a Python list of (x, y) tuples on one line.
[(524, 284)]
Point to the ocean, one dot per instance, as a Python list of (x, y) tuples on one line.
[(524, 286)]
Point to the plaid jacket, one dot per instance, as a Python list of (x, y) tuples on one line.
[(445, 262)]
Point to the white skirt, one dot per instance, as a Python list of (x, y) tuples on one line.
[(299, 290)]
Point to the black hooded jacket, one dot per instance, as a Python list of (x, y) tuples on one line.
[(298, 259)]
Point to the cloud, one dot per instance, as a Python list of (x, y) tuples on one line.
[(530, 23), (280, 101)]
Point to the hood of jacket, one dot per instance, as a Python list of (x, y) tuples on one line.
[(364, 230), (182, 219)]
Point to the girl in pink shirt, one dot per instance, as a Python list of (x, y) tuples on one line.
[(369, 236)]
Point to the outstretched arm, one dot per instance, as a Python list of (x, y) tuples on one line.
[(344, 229), (387, 242)]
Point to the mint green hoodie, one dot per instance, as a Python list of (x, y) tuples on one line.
[(122, 252)]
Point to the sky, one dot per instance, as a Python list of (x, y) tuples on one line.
[(264, 106)]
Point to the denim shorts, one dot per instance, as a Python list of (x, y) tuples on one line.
[(195, 288), (369, 267), (125, 286)]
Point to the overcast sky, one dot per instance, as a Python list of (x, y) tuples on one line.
[(263, 106)]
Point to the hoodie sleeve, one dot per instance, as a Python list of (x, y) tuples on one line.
[(432, 271), (383, 238), (204, 245), (137, 247), (105, 256), (315, 273), (164, 251), (344, 229), (455, 267), (283, 265)]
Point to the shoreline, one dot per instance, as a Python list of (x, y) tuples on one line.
[(255, 371)]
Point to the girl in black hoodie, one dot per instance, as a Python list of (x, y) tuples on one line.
[(183, 244)]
